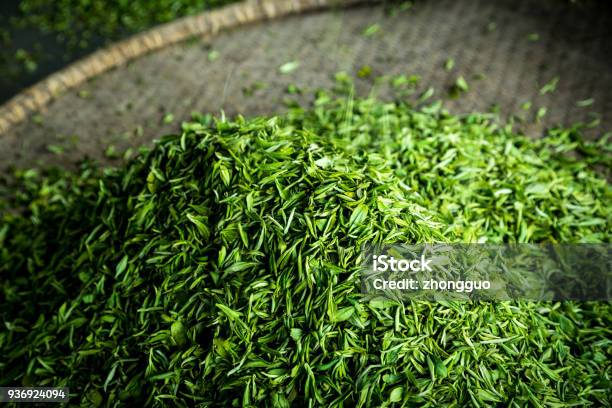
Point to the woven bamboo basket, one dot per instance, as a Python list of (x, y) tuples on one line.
[(121, 94)]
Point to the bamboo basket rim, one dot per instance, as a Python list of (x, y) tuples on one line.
[(208, 23)]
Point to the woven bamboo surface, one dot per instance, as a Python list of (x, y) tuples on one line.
[(209, 23), (120, 96)]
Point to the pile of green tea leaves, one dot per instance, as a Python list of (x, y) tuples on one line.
[(221, 266), (81, 20)]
